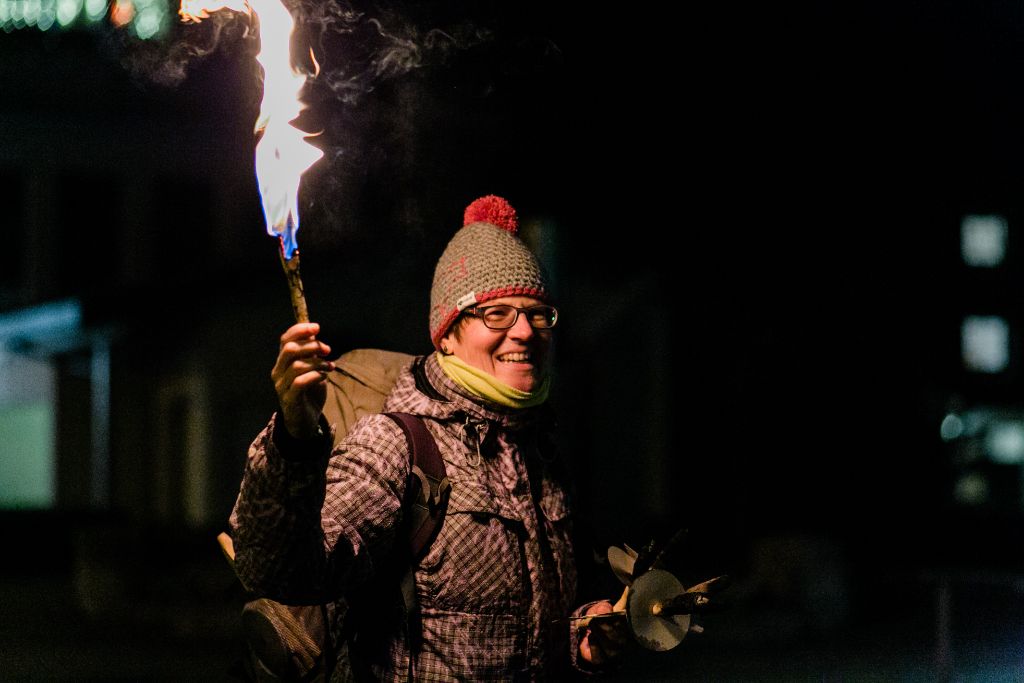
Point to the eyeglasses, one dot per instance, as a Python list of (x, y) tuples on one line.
[(503, 316)]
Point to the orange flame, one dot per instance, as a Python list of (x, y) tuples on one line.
[(282, 154)]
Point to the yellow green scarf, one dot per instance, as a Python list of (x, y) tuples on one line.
[(485, 386)]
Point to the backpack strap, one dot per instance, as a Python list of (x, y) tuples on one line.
[(428, 498), (426, 501)]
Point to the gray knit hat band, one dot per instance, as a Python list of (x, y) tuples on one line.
[(481, 262)]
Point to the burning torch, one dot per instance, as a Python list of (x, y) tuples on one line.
[(282, 153)]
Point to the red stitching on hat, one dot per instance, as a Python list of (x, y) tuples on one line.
[(459, 266)]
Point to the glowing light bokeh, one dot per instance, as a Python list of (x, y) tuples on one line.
[(47, 14), (971, 489), (30, 12), (18, 14), (952, 427), (146, 18), (1004, 443), (983, 240), (122, 12), (68, 11), (149, 22), (95, 10), (985, 343)]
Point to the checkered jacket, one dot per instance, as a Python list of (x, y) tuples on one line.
[(496, 585)]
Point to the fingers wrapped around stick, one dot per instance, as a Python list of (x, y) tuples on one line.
[(603, 639), (299, 377)]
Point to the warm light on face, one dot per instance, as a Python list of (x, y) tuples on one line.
[(517, 356)]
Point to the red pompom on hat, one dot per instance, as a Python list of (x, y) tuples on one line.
[(485, 260), (494, 210)]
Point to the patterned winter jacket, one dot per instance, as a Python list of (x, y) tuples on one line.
[(496, 585)]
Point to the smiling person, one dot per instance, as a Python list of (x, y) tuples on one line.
[(495, 589)]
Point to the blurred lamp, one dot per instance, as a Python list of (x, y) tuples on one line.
[(971, 489), (985, 343), (952, 427), (1004, 442), (983, 240)]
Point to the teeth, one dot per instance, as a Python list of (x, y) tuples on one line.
[(514, 357)]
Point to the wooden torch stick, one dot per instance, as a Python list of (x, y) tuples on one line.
[(291, 271), (227, 546)]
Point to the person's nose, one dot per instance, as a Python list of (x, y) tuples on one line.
[(522, 329)]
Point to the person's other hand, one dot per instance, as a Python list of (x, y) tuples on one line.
[(603, 639), (300, 376)]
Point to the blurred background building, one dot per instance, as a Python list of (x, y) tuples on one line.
[(786, 243)]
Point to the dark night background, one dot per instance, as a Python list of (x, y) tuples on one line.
[(752, 214)]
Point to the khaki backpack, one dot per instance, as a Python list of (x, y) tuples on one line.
[(361, 381)]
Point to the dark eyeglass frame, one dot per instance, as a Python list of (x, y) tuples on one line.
[(481, 312)]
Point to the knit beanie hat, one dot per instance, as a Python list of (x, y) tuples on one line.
[(484, 260)]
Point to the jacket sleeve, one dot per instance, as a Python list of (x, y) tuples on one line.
[(307, 525)]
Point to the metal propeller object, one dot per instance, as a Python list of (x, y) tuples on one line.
[(650, 624), (622, 562), (657, 606)]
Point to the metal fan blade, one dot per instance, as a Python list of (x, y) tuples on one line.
[(621, 563), (647, 595)]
